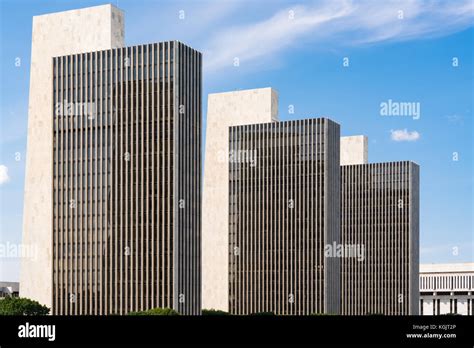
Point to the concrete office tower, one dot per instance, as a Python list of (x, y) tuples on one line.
[(225, 110), (125, 185), (380, 212), (89, 29), (447, 288), (127, 180), (284, 208)]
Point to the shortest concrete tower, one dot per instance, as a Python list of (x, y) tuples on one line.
[(380, 222)]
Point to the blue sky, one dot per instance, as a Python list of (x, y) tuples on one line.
[(397, 50)]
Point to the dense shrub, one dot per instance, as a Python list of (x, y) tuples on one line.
[(156, 311), (21, 306), (214, 312)]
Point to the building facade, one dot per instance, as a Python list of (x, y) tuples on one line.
[(126, 219), (284, 209), (380, 213), (447, 289), (225, 110), (126, 180)]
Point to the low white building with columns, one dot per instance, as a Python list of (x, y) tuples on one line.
[(447, 288)]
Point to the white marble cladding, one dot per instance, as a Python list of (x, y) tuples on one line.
[(354, 150)]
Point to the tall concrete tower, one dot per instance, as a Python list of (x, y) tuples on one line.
[(225, 110), (113, 187), (56, 34)]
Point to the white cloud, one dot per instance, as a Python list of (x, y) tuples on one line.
[(4, 178), (253, 41), (404, 135), (328, 23), (193, 27)]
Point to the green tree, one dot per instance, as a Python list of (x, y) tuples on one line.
[(21, 306), (156, 311), (214, 312)]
